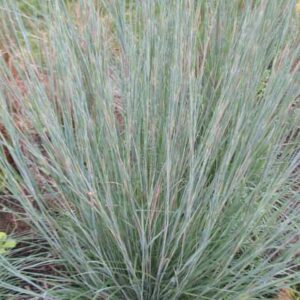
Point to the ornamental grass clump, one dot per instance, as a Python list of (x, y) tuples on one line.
[(158, 161)]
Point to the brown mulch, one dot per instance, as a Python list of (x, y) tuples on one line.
[(9, 220)]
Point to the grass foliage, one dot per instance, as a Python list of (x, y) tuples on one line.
[(162, 168)]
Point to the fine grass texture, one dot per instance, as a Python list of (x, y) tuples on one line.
[(157, 152)]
